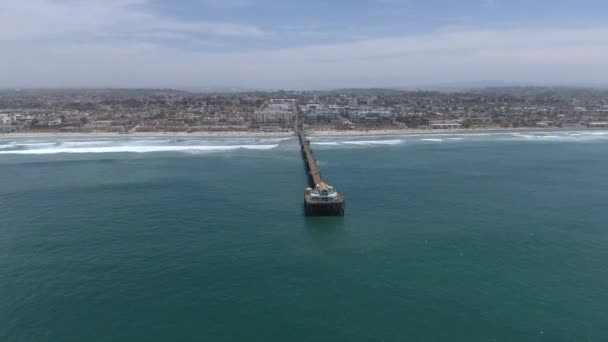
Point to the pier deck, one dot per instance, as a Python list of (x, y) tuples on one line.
[(319, 199)]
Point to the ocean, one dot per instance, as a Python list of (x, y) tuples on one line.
[(494, 236)]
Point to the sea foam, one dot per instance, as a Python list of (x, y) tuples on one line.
[(141, 149), (374, 142), (327, 143)]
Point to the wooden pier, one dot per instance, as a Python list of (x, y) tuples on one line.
[(320, 199)]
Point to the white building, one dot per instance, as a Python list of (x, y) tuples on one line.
[(323, 193), (370, 116), (445, 124), (277, 111), (6, 119)]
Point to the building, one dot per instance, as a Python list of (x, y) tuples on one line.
[(371, 116), (5, 119), (311, 107), (277, 111), (55, 122), (445, 124), (7, 129), (324, 116), (323, 192)]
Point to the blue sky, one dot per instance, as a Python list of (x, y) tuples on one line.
[(301, 44)]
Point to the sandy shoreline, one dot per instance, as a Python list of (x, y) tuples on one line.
[(228, 134)]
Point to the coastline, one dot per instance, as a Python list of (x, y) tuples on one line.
[(226, 134), (240, 134)]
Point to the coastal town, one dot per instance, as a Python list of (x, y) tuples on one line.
[(165, 110)]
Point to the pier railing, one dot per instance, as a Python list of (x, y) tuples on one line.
[(325, 206)]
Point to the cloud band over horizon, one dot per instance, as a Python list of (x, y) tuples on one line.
[(126, 43)]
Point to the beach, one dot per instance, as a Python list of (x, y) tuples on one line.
[(255, 134)]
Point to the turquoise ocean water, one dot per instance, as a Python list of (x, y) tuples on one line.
[(483, 237)]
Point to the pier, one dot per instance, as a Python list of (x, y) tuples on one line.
[(320, 199)]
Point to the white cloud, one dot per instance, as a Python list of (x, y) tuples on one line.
[(548, 55), (57, 19)]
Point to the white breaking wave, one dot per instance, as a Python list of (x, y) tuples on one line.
[(11, 145), (560, 136), (541, 137), (434, 140), (374, 142), (150, 142), (83, 143), (273, 140), (40, 144), (551, 137), (141, 149), (330, 143)]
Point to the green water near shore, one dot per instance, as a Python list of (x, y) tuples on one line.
[(468, 241)]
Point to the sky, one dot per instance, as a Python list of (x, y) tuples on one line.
[(312, 44)]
